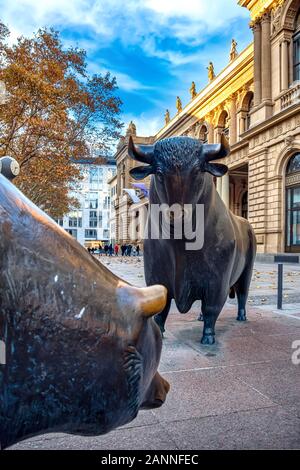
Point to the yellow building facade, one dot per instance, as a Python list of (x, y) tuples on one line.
[(255, 102)]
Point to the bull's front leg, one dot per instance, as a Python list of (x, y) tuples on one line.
[(210, 314)]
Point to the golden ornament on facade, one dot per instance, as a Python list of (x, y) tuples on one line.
[(193, 91), (233, 50), (211, 72), (178, 105), (167, 117)]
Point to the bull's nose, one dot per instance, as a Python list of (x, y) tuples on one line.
[(157, 393)]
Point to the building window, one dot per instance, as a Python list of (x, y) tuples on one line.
[(245, 205), (296, 46), (91, 234), (72, 232), (203, 134), (73, 222), (293, 204), (106, 202), (226, 127), (106, 234), (93, 219), (250, 106), (91, 201)]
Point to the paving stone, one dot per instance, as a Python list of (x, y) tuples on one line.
[(279, 380), (151, 437), (268, 428), (207, 392), (241, 393)]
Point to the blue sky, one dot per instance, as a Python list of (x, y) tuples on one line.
[(155, 48)]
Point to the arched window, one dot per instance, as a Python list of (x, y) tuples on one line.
[(293, 204), (223, 123), (226, 126), (296, 46), (203, 134)]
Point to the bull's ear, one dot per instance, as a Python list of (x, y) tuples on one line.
[(140, 172), (216, 169)]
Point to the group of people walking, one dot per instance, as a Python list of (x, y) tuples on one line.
[(110, 250)]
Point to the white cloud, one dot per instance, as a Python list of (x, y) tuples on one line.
[(124, 81), (142, 22)]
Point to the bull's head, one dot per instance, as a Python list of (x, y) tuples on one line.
[(181, 166)]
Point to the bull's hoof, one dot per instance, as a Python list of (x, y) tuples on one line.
[(208, 339), (200, 318), (241, 316)]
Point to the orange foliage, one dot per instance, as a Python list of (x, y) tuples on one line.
[(54, 114)]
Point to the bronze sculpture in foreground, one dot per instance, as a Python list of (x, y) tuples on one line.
[(81, 348)]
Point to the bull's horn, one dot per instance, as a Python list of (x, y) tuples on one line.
[(141, 153), (216, 151), (147, 301)]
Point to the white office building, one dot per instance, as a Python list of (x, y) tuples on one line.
[(90, 223)]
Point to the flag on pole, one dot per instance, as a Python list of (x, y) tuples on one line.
[(142, 187)]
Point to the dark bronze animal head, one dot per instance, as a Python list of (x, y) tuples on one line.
[(180, 166)]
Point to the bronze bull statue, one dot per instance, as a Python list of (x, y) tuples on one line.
[(182, 172), (79, 349)]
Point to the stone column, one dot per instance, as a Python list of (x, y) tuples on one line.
[(225, 189), (217, 134), (233, 119), (257, 62), (266, 88), (210, 137), (242, 123), (291, 59), (284, 65)]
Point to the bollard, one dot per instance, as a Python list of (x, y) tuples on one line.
[(9, 167), (279, 286)]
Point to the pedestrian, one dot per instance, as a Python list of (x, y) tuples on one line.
[(116, 249), (137, 250), (123, 249), (105, 249), (129, 249), (110, 250)]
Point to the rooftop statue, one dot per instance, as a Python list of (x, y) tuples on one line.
[(211, 72), (233, 50), (193, 91), (178, 105), (167, 117)]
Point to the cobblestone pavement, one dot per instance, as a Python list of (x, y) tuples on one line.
[(241, 393)]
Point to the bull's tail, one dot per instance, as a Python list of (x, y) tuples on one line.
[(231, 293)]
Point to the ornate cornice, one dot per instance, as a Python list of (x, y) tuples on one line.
[(259, 8)]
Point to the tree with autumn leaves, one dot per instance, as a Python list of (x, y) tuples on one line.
[(54, 114)]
